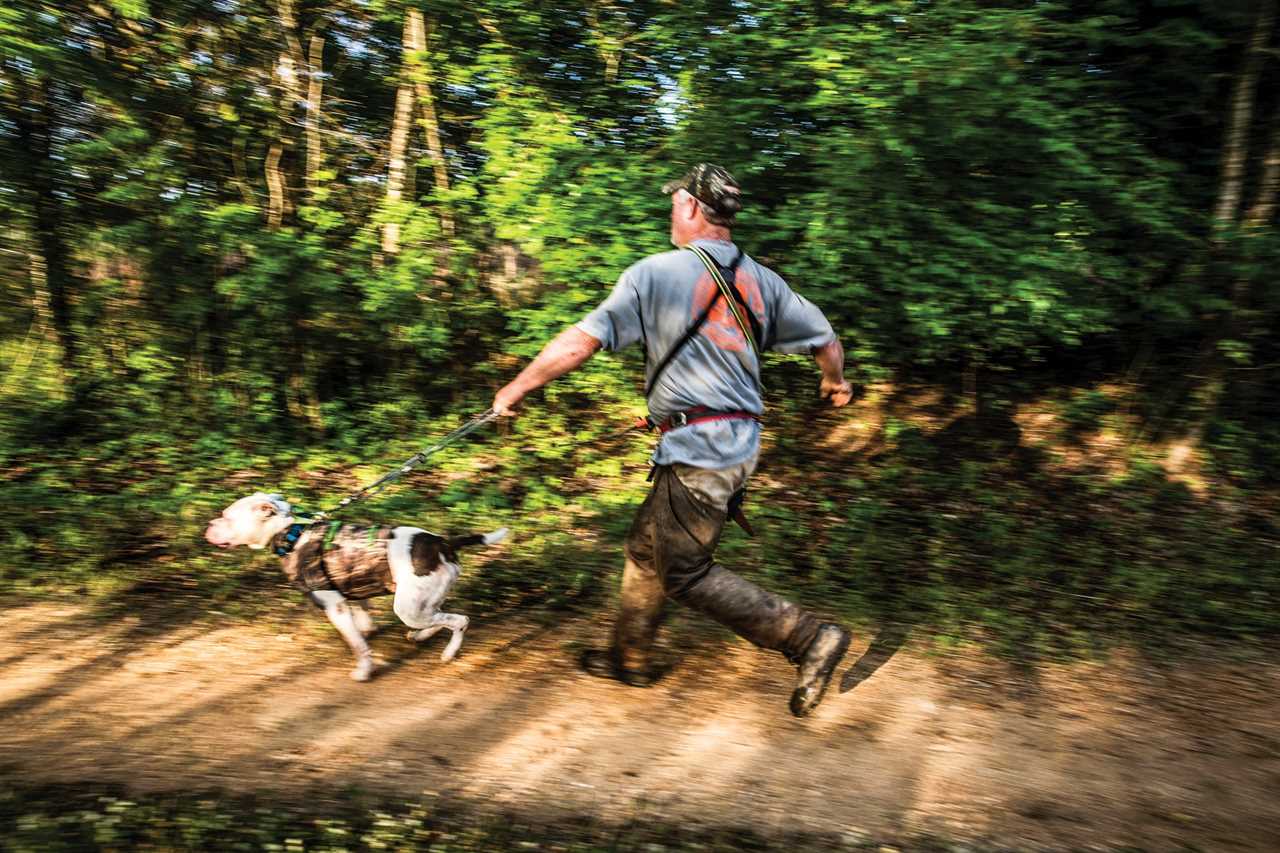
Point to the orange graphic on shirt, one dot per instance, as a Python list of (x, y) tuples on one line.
[(721, 328)]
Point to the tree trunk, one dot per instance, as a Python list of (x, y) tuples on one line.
[(397, 162), (315, 95), (430, 121), (1207, 400), (275, 184), (289, 65), (1257, 217), (1235, 148), (1264, 204), (38, 331), (1259, 212), (37, 141), (608, 46), (240, 172)]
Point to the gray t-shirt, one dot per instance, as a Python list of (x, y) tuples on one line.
[(654, 304)]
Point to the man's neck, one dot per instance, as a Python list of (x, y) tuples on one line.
[(712, 232)]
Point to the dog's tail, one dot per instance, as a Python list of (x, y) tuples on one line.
[(471, 539)]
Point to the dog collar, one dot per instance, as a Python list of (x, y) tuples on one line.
[(291, 537)]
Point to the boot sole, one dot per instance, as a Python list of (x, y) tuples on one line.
[(798, 707)]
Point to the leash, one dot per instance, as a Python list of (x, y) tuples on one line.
[(409, 464)]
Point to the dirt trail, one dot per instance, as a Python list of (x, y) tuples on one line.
[(958, 746)]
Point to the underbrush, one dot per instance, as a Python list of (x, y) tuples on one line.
[(1039, 529)]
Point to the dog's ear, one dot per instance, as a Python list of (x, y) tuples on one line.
[(282, 506), (264, 509)]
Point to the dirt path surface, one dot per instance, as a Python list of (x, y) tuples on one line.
[(957, 746)]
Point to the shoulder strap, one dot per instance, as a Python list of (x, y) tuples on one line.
[(737, 304), (698, 323)]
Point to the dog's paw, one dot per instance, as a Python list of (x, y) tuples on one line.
[(364, 670), (455, 642)]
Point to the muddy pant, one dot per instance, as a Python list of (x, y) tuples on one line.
[(670, 552)]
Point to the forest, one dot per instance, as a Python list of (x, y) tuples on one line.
[(285, 244), (282, 245)]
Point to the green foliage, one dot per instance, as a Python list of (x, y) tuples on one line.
[(56, 820), (1008, 195), (1086, 409)]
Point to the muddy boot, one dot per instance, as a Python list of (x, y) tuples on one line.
[(628, 660), (607, 663), (768, 620), (817, 666)]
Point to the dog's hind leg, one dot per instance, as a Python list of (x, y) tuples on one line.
[(457, 623), (425, 634), (342, 614), (425, 627)]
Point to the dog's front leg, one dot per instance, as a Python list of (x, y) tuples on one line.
[(342, 614), (363, 620)]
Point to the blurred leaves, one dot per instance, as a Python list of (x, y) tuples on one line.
[(1000, 196)]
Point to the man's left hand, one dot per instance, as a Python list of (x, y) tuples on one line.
[(839, 393)]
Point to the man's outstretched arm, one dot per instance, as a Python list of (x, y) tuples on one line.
[(830, 357), (567, 351)]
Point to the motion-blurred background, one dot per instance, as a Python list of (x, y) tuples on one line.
[(258, 244), (281, 244)]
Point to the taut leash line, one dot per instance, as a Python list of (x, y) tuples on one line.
[(409, 464)]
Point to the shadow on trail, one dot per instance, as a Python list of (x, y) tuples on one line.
[(169, 596), (155, 612), (884, 645), (168, 603)]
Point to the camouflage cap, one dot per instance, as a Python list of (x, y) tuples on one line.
[(712, 185)]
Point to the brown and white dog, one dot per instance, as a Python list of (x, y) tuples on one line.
[(337, 566)]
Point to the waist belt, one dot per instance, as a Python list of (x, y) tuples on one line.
[(698, 415)]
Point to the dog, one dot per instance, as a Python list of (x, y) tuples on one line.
[(337, 566)]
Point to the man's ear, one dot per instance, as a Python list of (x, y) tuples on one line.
[(682, 204)]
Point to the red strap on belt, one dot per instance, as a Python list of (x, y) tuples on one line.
[(701, 414)]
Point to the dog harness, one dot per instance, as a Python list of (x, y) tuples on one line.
[(335, 556)]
